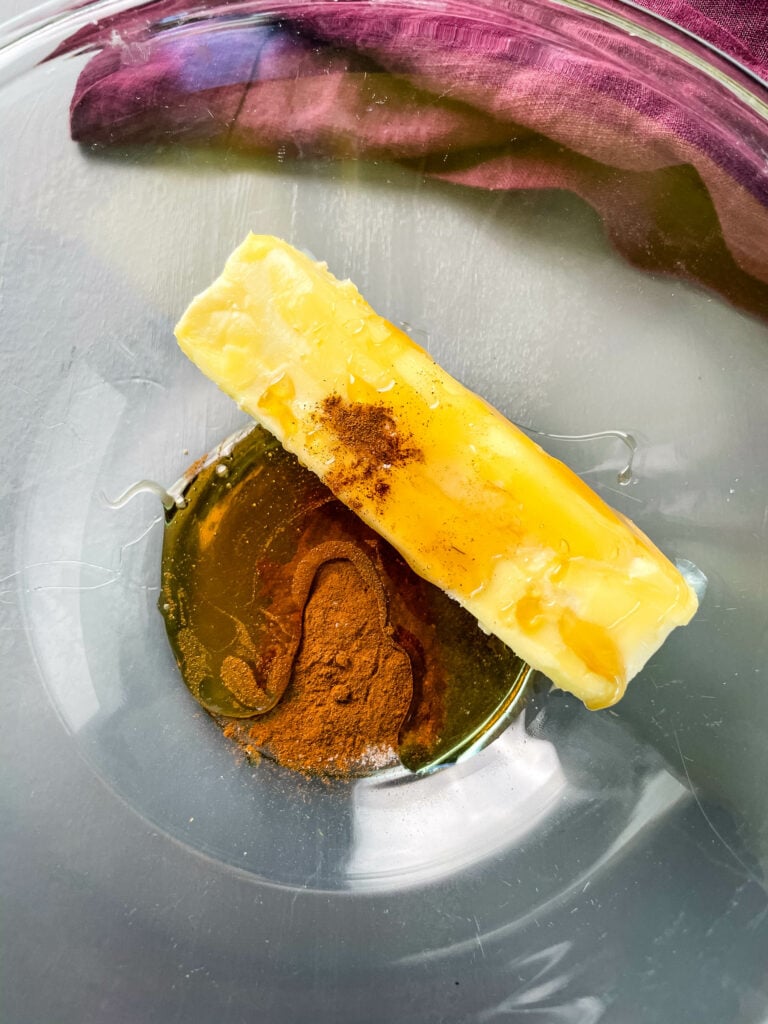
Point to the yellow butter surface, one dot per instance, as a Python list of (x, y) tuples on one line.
[(471, 503)]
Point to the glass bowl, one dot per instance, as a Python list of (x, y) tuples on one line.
[(566, 203)]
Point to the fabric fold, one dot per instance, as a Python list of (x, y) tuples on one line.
[(485, 95)]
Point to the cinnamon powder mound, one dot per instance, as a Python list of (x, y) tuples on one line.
[(370, 444), (351, 686)]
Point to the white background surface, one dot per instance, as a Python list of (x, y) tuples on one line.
[(10, 8)]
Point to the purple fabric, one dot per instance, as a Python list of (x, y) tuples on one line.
[(737, 27), (484, 93)]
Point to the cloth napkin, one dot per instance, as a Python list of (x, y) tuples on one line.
[(737, 27), (491, 94)]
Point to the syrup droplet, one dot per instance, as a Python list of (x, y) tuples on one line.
[(169, 500), (625, 476), (693, 576)]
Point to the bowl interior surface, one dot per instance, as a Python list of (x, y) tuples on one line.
[(585, 867)]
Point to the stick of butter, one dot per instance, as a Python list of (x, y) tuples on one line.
[(472, 504)]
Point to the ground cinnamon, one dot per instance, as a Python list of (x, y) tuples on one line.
[(351, 683), (371, 442)]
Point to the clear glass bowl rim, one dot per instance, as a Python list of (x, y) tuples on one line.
[(651, 26)]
